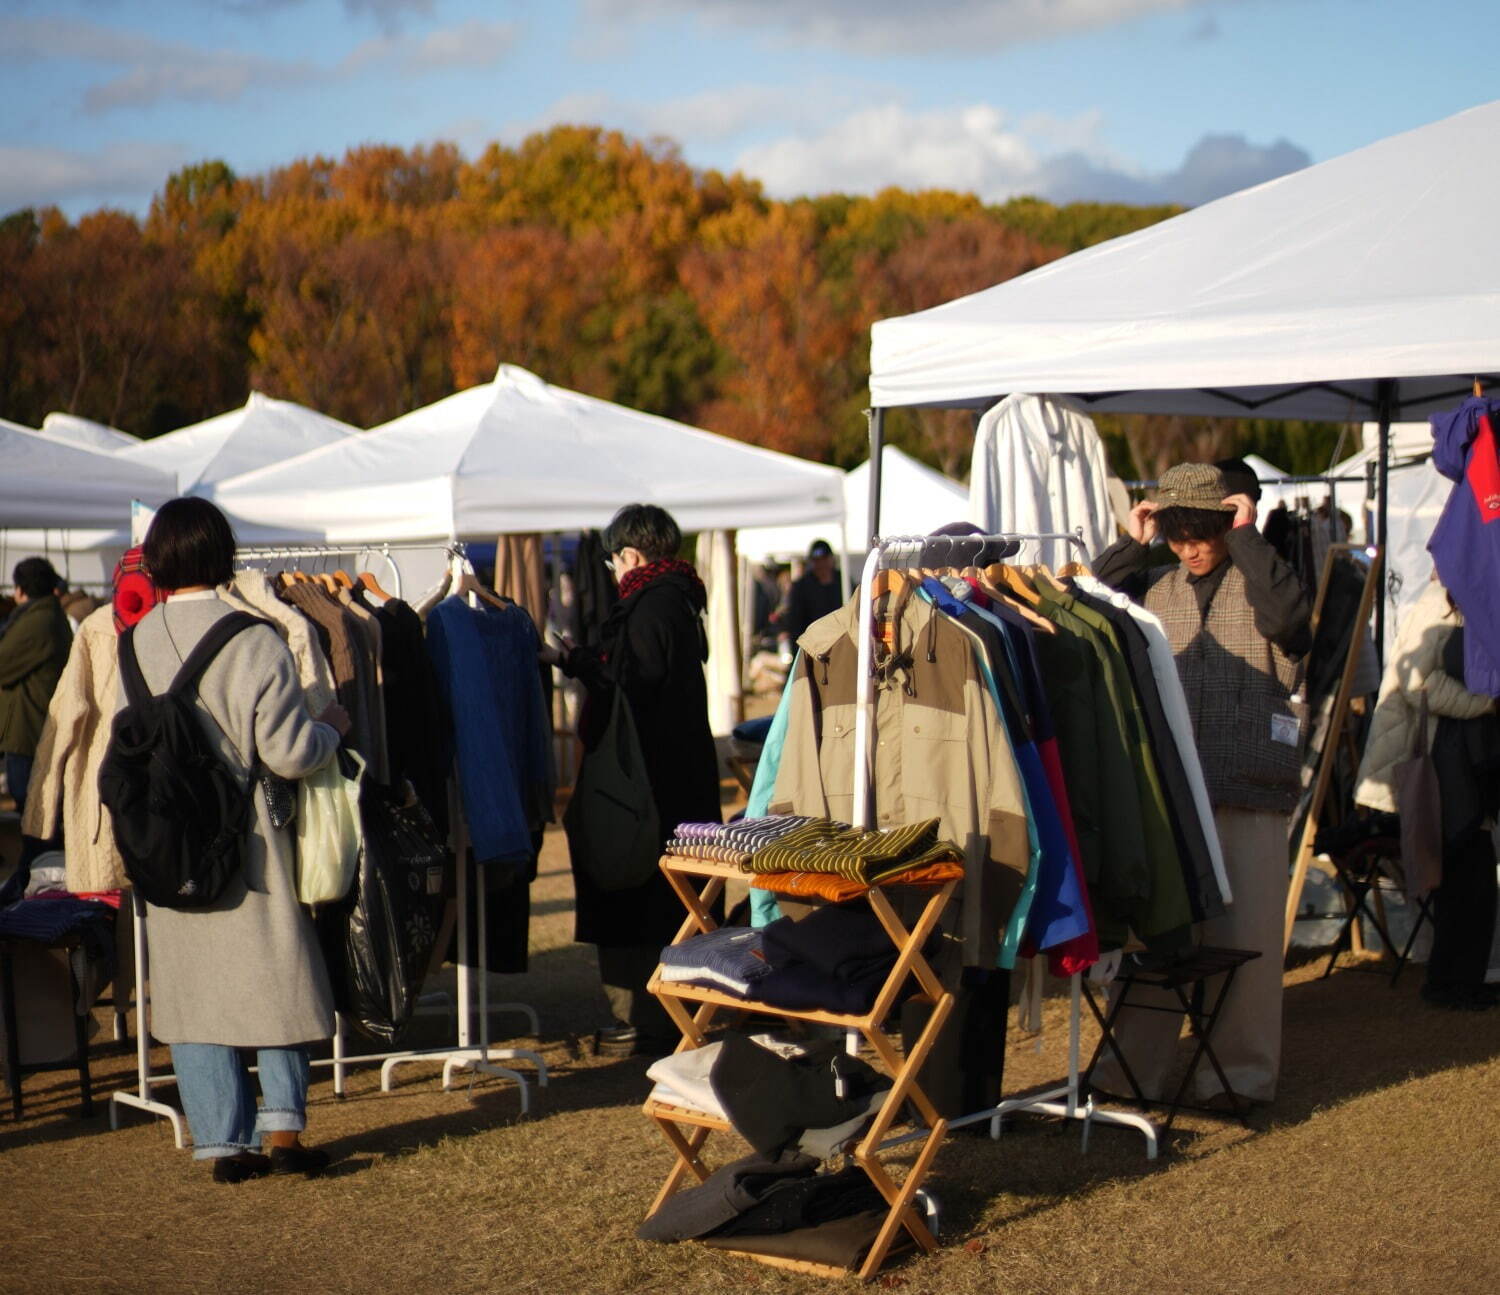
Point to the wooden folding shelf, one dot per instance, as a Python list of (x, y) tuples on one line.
[(693, 1010)]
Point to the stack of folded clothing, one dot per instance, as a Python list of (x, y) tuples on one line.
[(735, 843), (728, 959), (867, 857), (835, 959)]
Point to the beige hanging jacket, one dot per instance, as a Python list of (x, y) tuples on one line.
[(65, 779)]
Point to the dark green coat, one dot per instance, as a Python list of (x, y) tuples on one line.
[(33, 652)]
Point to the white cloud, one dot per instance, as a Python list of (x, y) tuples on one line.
[(36, 177), (149, 71), (977, 149), (710, 117), (899, 27)]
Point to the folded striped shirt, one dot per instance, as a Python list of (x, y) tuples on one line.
[(864, 856)]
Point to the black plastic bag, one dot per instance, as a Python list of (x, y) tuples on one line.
[(379, 940)]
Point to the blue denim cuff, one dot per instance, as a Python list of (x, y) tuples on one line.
[(218, 1150), (273, 1121)]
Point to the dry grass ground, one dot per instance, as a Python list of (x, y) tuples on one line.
[(1375, 1171)]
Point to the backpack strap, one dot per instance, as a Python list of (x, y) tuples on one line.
[(219, 633)]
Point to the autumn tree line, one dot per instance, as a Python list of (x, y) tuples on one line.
[(369, 286)]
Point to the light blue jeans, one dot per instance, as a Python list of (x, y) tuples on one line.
[(214, 1083)]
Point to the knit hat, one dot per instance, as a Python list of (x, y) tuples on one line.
[(135, 595), (1193, 485)]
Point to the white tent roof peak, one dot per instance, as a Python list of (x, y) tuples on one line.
[(264, 430), (519, 454), (1292, 299), (70, 429)]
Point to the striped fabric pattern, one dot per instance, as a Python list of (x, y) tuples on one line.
[(839, 890), (690, 849), (862, 856)]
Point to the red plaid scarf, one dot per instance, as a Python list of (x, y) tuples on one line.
[(637, 578), (135, 595)]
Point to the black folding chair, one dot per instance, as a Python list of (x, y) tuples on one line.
[(1363, 871)]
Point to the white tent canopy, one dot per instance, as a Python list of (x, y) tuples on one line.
[(918, 499), (262, 431), (1293, 299), (521, 455), (70, 429), (48, 484)]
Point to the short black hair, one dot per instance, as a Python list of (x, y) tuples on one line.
[(36, 577), (1240, 477), (644, 527), (189, 543), (1180, 524)]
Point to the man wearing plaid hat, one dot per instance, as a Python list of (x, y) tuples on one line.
[(1237, 619)]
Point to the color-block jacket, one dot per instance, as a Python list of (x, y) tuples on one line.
[(938, 751)]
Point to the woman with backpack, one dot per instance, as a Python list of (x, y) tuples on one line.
[(243, 972)]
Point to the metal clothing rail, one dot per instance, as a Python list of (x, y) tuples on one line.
[(1063, 1100), (466, 1052), (248, 553)]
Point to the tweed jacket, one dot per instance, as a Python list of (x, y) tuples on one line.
[(247, 970), (65, 781), (32, 656), (1240, 690), (1414, 668), (939, 752)]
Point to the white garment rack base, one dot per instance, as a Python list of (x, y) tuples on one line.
[(1063, 1101)]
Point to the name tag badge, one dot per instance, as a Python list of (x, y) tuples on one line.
[(1284, 729)]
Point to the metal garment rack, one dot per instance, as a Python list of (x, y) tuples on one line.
[(1064, 1100), (467, 1053)]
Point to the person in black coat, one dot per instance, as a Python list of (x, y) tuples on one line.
[(653, 645)]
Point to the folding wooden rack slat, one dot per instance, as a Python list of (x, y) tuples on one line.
[(693, 1010)]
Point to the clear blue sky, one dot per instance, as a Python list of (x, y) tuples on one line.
[(1137, 100)]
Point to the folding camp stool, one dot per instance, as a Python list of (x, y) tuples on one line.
[(1186, 978), (1360, 871), (14, 1069)]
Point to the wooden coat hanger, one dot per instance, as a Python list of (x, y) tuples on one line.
[(326, 580), (1006, 578), (367, 578), (342, 577), (468, 583)]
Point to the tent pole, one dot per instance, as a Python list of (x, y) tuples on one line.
[(1386, 392), (877, 457)]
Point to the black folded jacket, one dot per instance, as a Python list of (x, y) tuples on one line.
[(771, 1100), (723, 1195)]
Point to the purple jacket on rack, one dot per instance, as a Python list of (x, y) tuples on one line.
[(1465, 544)]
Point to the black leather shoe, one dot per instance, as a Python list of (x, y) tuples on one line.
[(308, 1161), (237, 1169)]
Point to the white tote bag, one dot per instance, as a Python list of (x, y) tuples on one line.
[(329, 835)]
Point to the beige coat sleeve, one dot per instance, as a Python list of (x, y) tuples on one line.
[(62, 740)]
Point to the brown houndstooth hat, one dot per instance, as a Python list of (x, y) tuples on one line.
[(1193, 485)]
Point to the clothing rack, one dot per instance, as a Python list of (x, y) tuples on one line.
[(467, 1053), (1063, 1100)]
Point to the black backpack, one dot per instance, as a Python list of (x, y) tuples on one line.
[(179, 812)]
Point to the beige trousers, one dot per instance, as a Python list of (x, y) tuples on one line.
[(1247, 1037)]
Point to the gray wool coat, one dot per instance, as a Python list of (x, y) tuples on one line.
[(246, 971)]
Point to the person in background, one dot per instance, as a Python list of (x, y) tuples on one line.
[(653, 645), (1237, 620), (1427, 663), (815, 593), (246, 972), (33, 653)]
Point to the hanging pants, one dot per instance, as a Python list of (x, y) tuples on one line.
[(1247, 1037)]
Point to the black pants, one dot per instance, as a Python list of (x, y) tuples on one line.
[(1463, 915)]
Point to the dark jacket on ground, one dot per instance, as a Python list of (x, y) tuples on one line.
[(32, 656), (654, 641)]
